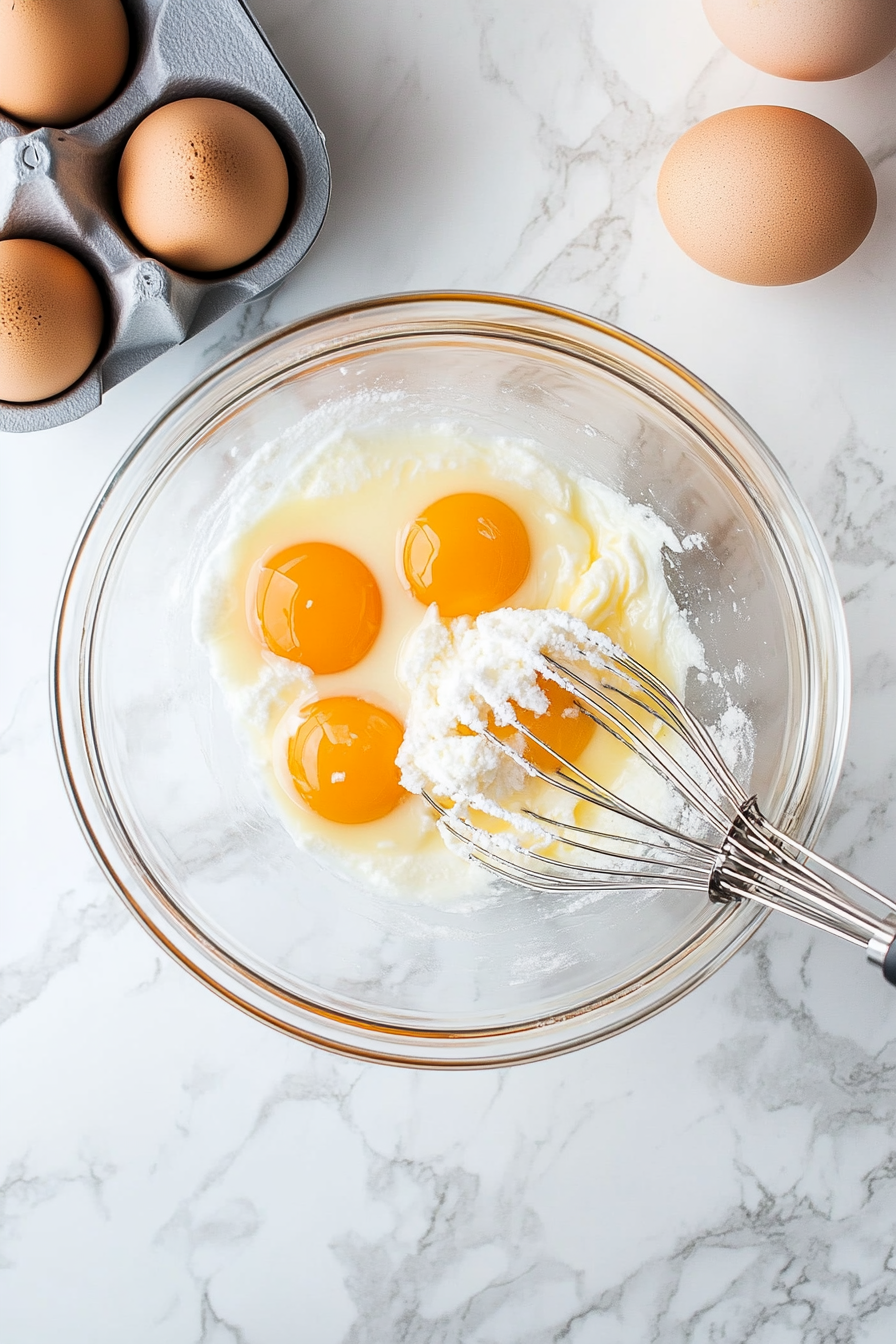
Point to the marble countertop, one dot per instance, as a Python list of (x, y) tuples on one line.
[(175, 1173)]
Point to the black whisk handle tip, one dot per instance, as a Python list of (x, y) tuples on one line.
[(889, 963)]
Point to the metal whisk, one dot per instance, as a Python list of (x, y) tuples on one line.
[(720, 843)]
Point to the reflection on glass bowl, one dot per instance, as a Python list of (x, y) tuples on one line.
[(160, 784)]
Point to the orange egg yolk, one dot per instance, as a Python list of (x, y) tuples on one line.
[(562, 726), (342, 760), (319, 605), (468, 553)]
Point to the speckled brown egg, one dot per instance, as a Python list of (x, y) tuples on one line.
[(203, 184), (766, 195), (51, 320), (60, 59), (806, 39)]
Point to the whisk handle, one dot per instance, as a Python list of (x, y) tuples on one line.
[(889, 963), (757, 861)]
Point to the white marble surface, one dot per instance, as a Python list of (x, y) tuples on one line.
[(174, 1173)]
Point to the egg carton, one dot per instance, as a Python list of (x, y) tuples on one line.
[(59, 186)]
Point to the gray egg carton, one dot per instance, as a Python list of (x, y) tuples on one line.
[(59, 185)]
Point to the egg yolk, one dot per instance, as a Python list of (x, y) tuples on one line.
[(319, 605), (468, 553), (342, 760), (563, 727)]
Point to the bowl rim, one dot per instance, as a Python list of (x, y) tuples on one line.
[(194, 410)]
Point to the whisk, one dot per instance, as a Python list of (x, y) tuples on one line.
[(719, 843)]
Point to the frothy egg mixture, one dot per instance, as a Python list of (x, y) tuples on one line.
[(345, 588)]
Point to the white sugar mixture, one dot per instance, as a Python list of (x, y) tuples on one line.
[(473, 674)]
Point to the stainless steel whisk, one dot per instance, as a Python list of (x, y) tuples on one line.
[(721, 844)]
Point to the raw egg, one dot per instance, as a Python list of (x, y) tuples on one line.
[(319, 605), (342, 760), (203, 184), (60, 59), (51, 320), (468, 553), (563, 727), (766, 195), (806, 39)]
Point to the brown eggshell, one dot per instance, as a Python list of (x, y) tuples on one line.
[(203, 184), (766, 195), (60, 59), (51, 320), (806, 39)]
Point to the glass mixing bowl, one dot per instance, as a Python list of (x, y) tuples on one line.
[(162, 789)]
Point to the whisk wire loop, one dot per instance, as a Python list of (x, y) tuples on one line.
[(665, 707)]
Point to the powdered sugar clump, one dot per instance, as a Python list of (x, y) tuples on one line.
[(467, 674)]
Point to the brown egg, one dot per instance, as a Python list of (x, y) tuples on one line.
[(60, 59), (203, 184), (51, 320), (766, 195), (806, 39)]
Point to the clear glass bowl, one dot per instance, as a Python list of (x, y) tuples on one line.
[(160, 785)]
